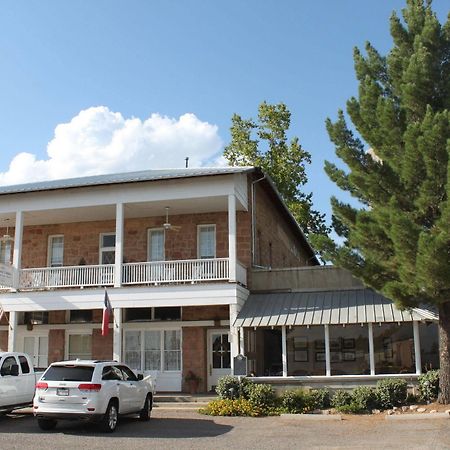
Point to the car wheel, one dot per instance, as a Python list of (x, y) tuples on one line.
[(111, 417), (46, 424), (144, 415)]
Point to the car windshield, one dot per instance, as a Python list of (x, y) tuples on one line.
[(68, 373)]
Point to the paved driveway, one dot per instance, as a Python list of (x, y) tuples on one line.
[(172, 429)]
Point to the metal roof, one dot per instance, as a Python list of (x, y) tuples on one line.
[(116, 178), (352, 306)]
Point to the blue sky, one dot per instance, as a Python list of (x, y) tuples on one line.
[(174, 72)]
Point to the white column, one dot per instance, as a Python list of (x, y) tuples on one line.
[(234, 335), (417, 347), (284, 351), (241, 341), (119, 246), (12, 331), (117, 335), (17, 253), (327, 351), (371, 349), (232, 236)]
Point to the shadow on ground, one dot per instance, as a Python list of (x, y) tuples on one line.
[(128, 427)]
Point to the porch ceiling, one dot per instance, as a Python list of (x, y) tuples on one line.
[(351, 306)]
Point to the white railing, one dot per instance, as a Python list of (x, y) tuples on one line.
[(241, 273), (190, 270), (6, 276), (68, 276)]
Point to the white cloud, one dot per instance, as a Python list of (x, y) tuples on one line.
[(98, 141)]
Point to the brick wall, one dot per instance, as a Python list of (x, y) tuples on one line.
[(194, 355), (102, 346), (219, 312), (3, 341), (56, 348)]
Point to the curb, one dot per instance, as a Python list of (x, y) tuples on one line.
[(423, 416), (312, 417)]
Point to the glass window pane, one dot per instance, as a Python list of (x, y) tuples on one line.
[(5, 252), (429, 345), (394, 348), (172, 360), (80, 346), (133, 349), (108, 240), (305, 351), (56, 249), (172, 340), (152, 350), (207, 241), (156, 245)]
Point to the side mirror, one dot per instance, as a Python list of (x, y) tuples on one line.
[(14, 370), (140, 377)]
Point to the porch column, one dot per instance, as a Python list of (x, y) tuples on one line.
[(284, 351), (117, 335), (371, 349), (234, 335), (417, 354), (327, 351), (13, 316), (232, 236), (241, 341), (119, 246), (17, 252)]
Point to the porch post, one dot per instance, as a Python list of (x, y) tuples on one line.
[(234, 336), (117, 335), (417, 354), (327, 351), (12, 331), (232, 236), (371, 349), (17, 253), (119, 246), (284, 351), (241, 341)]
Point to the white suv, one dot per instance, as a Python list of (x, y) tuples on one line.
[(91, 390)]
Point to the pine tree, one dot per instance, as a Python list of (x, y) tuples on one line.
[(396, 236), (263, 143)]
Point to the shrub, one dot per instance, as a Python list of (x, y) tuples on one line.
[(391, 392), (230, 407), (320, 398), (429, 385), (341, 398), (364, 398), (296, 401), (351, 408), (260, 395), (228, 387)]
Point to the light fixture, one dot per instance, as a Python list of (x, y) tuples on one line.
[(6, 237)]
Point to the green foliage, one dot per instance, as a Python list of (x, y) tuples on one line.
[(320, 398), (264, 143), (228, 387), (364, 398), (296, 401), (391, 392), (429, 385), (260, 395), (232, 407), (351, 408), (341, 398)]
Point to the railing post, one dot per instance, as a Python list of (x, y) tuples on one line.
[(17, 253), (232, 237), (119, 246)]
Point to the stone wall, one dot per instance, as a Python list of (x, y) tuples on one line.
[(3, 341), (194, 356)]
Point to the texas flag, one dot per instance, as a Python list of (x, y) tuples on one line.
[(107, 311)]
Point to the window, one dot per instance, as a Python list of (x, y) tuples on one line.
[(156, 350), (156, 245), (55, 251), (111, 373), (37, 348), (7, 365), (80, 315), (80, 346), (5, 252), (69, 373), (429, 345), (127, 374), (24, 364), (35, 317), (148, 314), (107, 248), (206, 238)]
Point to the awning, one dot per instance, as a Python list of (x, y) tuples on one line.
[(353, 306)]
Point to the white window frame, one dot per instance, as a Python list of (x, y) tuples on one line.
[(149, 243), (199, 228), (50, 247), (102, 249), (76, 333)]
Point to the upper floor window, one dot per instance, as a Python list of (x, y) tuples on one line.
[(156, 244), (80, 315), (147, 314), (35, 317), (5, 252), (55, 251), (206, 241), (107, 248)]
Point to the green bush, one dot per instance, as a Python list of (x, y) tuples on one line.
[(352, 408), (391, 392), (230, 407), (296, 401), (228, 387), (364, 398), (429, 385), (341, 398), (260, 395), (320, 398)]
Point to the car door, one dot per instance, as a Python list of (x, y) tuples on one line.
[(134, 390), (113, 378), (9, 384)]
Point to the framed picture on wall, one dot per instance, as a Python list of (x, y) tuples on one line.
[(301, 355), (335, 357), (320, 356), (349, 356), (300, 343), (335, 344), (348, 344)]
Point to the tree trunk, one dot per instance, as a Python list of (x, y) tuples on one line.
[(444, 353)]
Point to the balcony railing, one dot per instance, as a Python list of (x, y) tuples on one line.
[(153, 273)]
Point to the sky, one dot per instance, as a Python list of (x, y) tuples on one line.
[(105, 86)]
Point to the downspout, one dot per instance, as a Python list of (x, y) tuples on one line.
[(253, 193)]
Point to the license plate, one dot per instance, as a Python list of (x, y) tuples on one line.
[(62, 391)]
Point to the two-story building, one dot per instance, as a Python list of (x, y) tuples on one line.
[(173, 248)]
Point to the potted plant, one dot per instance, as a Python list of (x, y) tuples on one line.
[(193, 381)]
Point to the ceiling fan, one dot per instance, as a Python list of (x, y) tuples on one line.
[(167, 225)]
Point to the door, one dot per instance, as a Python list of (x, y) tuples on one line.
[(37, 348), (133, 397), (9, 384), (219, 356)]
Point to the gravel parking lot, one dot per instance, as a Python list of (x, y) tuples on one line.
[(184, 429)]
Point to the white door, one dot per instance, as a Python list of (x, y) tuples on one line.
[(219, 356), (37, 348)]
